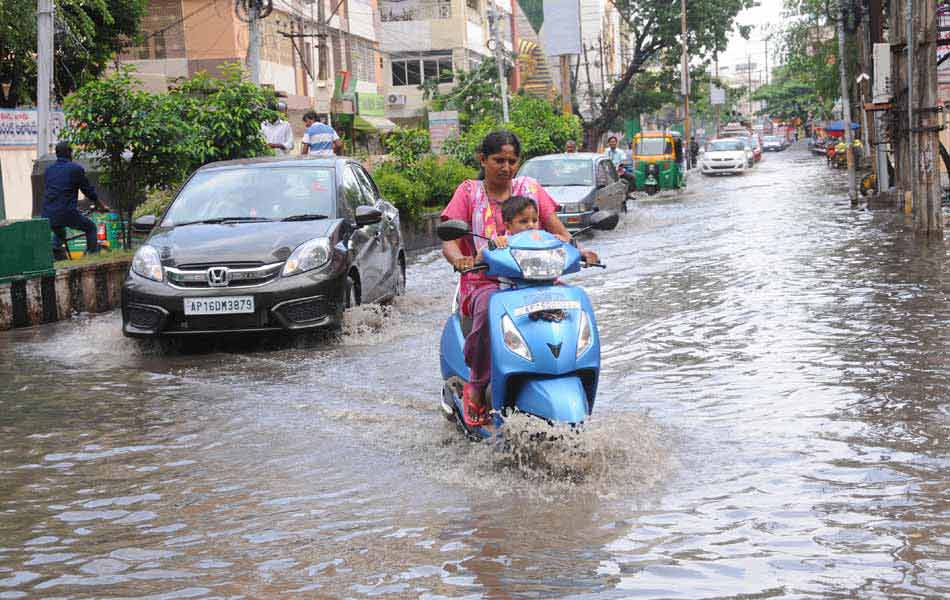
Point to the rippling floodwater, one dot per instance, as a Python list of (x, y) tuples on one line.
[(773, 421)]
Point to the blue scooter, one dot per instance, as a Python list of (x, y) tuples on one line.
[(544, 342)]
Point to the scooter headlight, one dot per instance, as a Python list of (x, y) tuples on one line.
[(513, 339), (541, 265), (584, 336)]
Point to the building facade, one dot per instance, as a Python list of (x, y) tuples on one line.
[(427, 41), (326, 58)]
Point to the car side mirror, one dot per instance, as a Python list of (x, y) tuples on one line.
[(144, 223), (452, 230), (604, 220), (367, 215)]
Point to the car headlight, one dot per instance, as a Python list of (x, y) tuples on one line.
[(584, 337), (148, 263), (308, 256), (513, 339), (540, 264)]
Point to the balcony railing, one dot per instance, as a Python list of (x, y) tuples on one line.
[(425, 10)]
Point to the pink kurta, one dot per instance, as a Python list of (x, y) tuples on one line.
[(471, 194)]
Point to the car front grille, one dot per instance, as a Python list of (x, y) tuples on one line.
[(196, 276)]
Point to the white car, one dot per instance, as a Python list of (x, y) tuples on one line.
[(727, 155)]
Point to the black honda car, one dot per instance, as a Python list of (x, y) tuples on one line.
[(258, 245)]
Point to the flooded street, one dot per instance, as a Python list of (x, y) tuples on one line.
[(772, 421)]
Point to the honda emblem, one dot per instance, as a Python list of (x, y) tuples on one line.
[(219, 276)]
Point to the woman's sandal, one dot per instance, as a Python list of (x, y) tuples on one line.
[(473, 413)]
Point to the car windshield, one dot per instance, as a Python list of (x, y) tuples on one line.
[(564, 172), (771, 138), (725, 146), (253, 194), (653, 146)]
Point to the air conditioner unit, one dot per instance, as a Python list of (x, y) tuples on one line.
[(396, 99)]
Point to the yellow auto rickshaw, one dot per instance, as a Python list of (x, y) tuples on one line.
[(657, 162)]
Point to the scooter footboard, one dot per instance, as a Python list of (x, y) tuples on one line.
[(558, 399)]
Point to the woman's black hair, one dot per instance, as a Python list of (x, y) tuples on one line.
[(513, 206), (496, 140)]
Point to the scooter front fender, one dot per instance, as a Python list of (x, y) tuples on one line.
[(557, 399)]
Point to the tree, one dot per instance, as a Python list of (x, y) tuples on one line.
[(653, 31), (87, 35), (142, 141), (540, 128), (227, 113), (138, 139), (475, 94)]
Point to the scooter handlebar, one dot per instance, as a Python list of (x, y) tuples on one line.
[(599, 265)]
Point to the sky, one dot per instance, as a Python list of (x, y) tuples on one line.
[(765, 17)]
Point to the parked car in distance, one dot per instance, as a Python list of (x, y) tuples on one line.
[(581, 182), (773, 143), (727, 155), (749, 145), (259, 245)]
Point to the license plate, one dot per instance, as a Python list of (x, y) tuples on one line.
[(230, 305), (573, 220), (547, 305)]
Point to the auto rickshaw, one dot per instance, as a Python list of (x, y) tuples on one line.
[(657, 162)]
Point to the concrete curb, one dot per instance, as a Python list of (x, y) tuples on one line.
[(88, 288)]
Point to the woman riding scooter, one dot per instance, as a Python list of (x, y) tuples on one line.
[(478, 203)]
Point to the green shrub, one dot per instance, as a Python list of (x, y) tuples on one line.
[(537, 123), (443, 175), (156, 201), (408, 194), (406, 145), (426, 185)]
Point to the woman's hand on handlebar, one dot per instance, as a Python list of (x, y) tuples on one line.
[(590, 257), (463, 263)]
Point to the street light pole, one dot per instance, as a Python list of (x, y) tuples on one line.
[(254, 42), (44, 73), (499, 57), (685, 78), (846, 106)]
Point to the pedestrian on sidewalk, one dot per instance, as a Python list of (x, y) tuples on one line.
[(277, 133), (64, 180), (320, 140)]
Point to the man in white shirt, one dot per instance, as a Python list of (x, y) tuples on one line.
[(278, 133)]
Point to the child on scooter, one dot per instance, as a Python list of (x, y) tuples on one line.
[(519, 213)]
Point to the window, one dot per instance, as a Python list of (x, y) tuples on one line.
[(445, 70), (369, 188), (399, 72), (415, 70), (364, 60), (352, 192)]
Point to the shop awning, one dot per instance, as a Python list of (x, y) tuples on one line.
[(839, 126), (369, 124)]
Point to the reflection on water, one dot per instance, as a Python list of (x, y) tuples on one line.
[(773, 422)]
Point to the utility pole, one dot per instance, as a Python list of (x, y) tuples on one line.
[(925, 121), (495, 46), (254, 41), (846, 105), (44, 73), (718, 106), (685, 80)]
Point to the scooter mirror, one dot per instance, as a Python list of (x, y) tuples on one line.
[(452, 230), (604, 220)]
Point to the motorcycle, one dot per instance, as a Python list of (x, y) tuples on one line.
[(544, 342)]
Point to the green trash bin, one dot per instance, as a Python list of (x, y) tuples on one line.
[(26, 249)]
